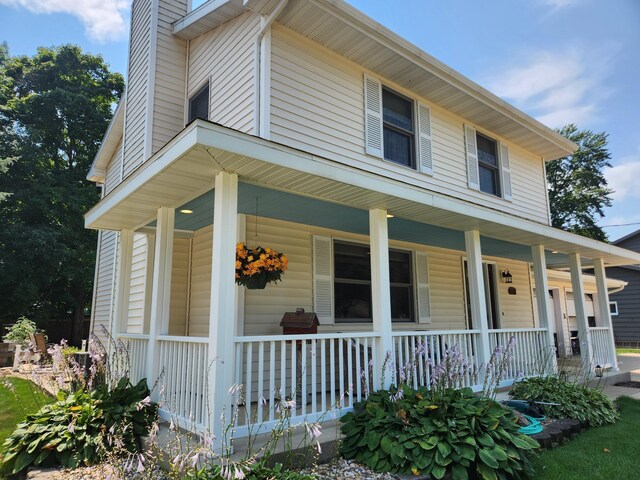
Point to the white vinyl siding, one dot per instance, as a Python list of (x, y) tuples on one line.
[(135, 116), (114, 170), (103, 303), (170, 67), (180, 267), (138, 284), (200, 298), (317, 105), (225, 57)]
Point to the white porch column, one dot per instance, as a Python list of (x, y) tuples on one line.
[(160, 292), (477, 294), (125, 256), (380, 293), (577, 284), (222, 313), (545, 314), (603, 307)]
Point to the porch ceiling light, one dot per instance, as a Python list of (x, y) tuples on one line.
[(390, 215), (186, 211), (507, 277)]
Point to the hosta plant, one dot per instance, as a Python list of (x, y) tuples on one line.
[(80, 428), (449, 432), (566, 400)]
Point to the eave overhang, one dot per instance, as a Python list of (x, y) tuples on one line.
[(345, 30), (185, 168), (110, 141)]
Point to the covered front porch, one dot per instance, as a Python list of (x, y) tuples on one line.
[(436, 278)]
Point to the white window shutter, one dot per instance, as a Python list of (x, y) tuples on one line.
[(423, 287), (473, 175), (373, 136), (323, 278), (425, 157), (505, 165)]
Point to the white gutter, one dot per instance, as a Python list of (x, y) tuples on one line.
[(265, 25)]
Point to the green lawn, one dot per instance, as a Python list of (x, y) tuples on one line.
[(14, 407), (620, 350), (609, 452)]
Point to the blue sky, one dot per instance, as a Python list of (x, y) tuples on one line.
[(561, 61)]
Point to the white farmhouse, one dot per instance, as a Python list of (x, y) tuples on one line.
[(410, 202)]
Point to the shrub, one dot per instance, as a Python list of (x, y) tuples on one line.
[(574, 400), (437, 432), (19, 332), (80, 428)]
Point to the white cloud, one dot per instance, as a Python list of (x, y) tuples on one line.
[(558, 87), (103, 19), (622, 178)]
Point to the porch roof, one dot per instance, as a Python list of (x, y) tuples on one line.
[(327, 191)]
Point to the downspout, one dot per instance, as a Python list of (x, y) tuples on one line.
[(264, 28)]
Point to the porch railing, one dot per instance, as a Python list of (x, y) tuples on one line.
[(314, 374), (421, 351), (531, 354), (601, 350), (184, 379), (136, 347)]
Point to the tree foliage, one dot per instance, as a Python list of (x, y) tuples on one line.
[(578, 190), (54, 110)]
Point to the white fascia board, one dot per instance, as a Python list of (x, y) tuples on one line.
[(109, 143)]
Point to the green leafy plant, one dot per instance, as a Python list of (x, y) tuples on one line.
[(19, 332), (450, 432), (573, 400), (80, 428), (258, 471)]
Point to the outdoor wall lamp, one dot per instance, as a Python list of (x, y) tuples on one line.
[(507, 277), (599, 371)]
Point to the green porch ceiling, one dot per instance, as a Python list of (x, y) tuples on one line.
[(305, 210)]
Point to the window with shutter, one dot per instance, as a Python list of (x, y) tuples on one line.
[(323, 279), (396, 127), (488, 165), (423, 288)]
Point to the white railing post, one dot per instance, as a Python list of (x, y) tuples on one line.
[(223, 301), (125, 256), (380, 294), (160, 292), (477, 293), (603, 306), (584, 334), (544, 313)]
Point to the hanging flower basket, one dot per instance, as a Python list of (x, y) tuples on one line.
[(255, 267)]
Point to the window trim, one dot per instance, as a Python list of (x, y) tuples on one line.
[(199, 91), (497, 308), (612, 303), (414, 320), (413, 135)]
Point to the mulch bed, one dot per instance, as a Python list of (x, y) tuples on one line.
[(630, 384)]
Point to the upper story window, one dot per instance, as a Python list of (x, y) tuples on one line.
[(352, 283), (199, 105), (613, 308), (398, 128), (488, 165)]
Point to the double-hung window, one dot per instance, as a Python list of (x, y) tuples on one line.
[(352, 283), (488, 165), (199, 105), (397, 128)]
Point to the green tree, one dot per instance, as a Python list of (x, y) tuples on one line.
[(578, 190), (55, 109)]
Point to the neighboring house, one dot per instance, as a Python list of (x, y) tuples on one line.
[(625, 304), (405, 196)]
